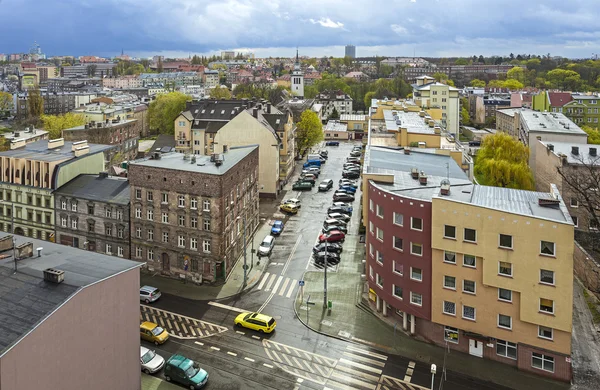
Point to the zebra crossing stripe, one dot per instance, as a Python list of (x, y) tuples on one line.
[(287, 280), (262, 282), (289, 293), (177, 326), (271, 280)]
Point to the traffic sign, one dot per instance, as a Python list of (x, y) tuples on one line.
[(301, 283), (186, 263)]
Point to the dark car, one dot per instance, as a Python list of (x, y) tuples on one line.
[(334, 236), (332, 258), (332, 228), (331, 247), (302, 186), (351, 174), (326, 185), (308, 179), (332, 143), (342, 196), (347, 181), (338, 209)]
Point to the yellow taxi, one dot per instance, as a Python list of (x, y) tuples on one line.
[(256, 321), (152, 332), (289, 208)]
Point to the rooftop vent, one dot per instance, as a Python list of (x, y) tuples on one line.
[(422, 178), (54, 275), (593, 152), (575, 150), (445, 187), (103, 175), (550, 147), (548, 202), (156, 156), (406, 151), (414, 173)]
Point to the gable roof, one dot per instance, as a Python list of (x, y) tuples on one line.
[(559, 99)]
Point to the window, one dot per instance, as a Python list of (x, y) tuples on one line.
[(397, 243), (207, 225), (506, 349), (449, 308), (138, 251), (206, 246), (138, 194), (468, 312), (165, 237), (165, 217), (73, 206), (397, 291), (504, 321), (379, 257), (379, 280), (120, 232), (181, 241), (547, 248), (416, 274), (108, 249), (449, 257), (416, 223), (150, 196), (379, 234), (546, 276), (398, 269), (543, 362), (165, 198), (449, 231), (150, 214), (181, 201), (504, 268), (138, 232), (120, 251), (469, 286), (416, 298), (91, 209), (108, 213), (505, 241), (380, 211), (150, 235), (450, 334), (120, 214), (575, 221), (138, 213), (398, 219), (371, 272), (504, 295), (470, 235), (63, 222), (63, 204), (546, 305), (371, 204), (150, 254), (371, 227), (181, 220), (416, 249), (469, 261), (544, 332), (206, 205), (193, 203), (450, 282), (194, 244), (194, 222)]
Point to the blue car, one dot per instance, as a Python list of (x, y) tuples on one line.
[(349, 189), (277, 228)]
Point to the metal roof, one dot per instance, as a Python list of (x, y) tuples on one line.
[(549, 122), (411, 121), (109, 189), (39, 151)]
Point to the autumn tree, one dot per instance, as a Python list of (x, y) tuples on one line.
[(502, 162), (6, 102), (35, 103), (164, 109), (309, 132), (220, 93), (55, 124)]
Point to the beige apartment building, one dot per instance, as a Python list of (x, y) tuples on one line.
[(427, 93)]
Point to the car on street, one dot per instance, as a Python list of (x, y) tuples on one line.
[(277, 227), (332, 143), (294, 201), (355, 154), (306, 171), (266, 246), (302, 186), (334, 236), (308, 179), (340, 216), (353, 159), (326, 185), (150, 331), (332, 258), (350, 183), (352, 168), (342, 196), (151, 361), (149, 294), (331, 247), (351, 174), (348, 206), (289, 208), (185, 372), (332, 228), (348, 188), (305, 176), (314, 170), (331, 221), (256, 321), (340, 209), (351, 165), (324, 152)]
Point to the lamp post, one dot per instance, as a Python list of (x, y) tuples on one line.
[(433, 370)]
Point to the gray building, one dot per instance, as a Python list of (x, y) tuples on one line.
[(350, 51), (89, 70), (189, 213), (92, 212), (62, 305)]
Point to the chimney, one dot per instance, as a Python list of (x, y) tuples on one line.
[(103, 175), (414, 173), (56, 143), (78, 144), (80, 151), (255, 112), (437, 130), (54, 275), (593, 152), (268, 108), (445, 187), (17, 143), (422, 178), (550, 147), (574, 150)]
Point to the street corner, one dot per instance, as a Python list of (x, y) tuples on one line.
[(180, 326)]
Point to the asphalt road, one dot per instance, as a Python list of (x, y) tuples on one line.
[(293, 357)]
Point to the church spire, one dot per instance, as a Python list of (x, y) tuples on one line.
[(297, 61)]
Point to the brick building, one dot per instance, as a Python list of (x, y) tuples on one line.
[(92, 212), (188, 213)]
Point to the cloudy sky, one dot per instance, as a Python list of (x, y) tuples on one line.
[(441, 28)]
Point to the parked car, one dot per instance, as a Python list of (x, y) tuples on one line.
[(294, 201), (341, 217), (332, 258), (150, 331), (343, 197), (348, 183), (277, 227), (331, 247), (332, 221), (339, 209), (348, 188), (355, 153), (314, 170), (151, 361), (352, 168), (266, 246), (289, 208), (312, 163), (324, 152), (332, 228), (302, 186), (186, 372), (350, 164), (334, 236), (343, 191), (351, 174), (256, 321), (310, 179), (326, 185), (149, 294), (332, 143), (353, 159), (347, 206)]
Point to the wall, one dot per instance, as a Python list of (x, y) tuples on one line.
[(91, 163), (99, 322), (549, 137), (587, 269)]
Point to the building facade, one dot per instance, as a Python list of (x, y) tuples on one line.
[(337, 100), (92, 213), (427, 93), (350, 51), (189, 213)]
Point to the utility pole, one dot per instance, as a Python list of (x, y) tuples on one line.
[(325, 279)]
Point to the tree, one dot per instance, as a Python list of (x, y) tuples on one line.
[(309, 132), (91, 70), (35, 102), (513, 84), (461, 61), (196, 60), (564, 79), (385, 70), (476, 83), (368, 97), (164, 109), (334, 114), (593, 135), (6, 102), (220, 93), (465, 118), (310, 91), (439, 76), (55, 124), (516, 73), (502, 162)]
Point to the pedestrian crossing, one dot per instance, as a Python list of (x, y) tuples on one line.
[(277, 284), (179, 326)]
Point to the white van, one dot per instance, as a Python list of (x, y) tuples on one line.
[(266, 246)]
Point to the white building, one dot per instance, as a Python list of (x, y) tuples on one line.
[(297, 79), (427, 93), (329, 100)]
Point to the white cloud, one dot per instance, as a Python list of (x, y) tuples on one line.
[(399, 29), (327, 22)]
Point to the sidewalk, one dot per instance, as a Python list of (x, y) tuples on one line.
[(150, 382)]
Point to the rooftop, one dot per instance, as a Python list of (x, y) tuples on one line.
[(39, 151), (335, 126), (548, 122), (412, 121), (26, 299), (352, 117), (583, 155), (103, 125), (109, 189), (34, 133), (202, 164)]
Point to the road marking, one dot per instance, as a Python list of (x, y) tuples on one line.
[(177, 326), (222, 306), (292, 286), (160, 314), (279, 279), (267, 365), (184, 327), (287, 281), (365, 352), (271, 280), (231, 353), (262, 282), (255, 337), (322, 360), (199, 343), (215, 348), (287, 263), (288, 361), (193, 331), (238, 332), (365, 360), (338, 386), (321, 371), (249, 359), (407, 378), (351, 380), (360, 365), (355, 372)]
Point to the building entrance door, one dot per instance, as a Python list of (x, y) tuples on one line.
[(166, 265), (475, 348)]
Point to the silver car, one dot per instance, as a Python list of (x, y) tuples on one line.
[(151, 361), (149, 294)]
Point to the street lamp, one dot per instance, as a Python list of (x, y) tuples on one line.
[(433, 370)]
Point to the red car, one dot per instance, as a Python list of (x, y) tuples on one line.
[(332, 236)]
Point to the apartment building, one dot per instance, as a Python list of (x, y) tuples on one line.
[(583, 110), (337, 100), (482, 108), (72, 84), (92, 213), (122, 82), (55, 103), (211, 78), (427, 93), (174, 79), (189, 213), (29, 175), (460, 74), (89, 70), (103, 109)]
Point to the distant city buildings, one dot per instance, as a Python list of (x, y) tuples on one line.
[(350, 51)]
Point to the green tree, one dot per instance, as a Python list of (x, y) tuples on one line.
[(477, 83), (593, 135), (309, 132), (6, 102), (563, 79), (196, 60), (502, 162), (465, 118), (55, 124), (368, 97), (513, 84), (163, 111), (516, 73), (439, 76), (35, 103), (461, 61), (334, 114), (220, 93), (385, 70), (310, 91)]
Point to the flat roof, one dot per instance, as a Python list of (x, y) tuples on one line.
[(110, 189), (353, 117), (549, 122), (24, 134), (203, 164), (411, 120), (39, 151), (104, 125), (583, 156), (335, 126), (26, 299)]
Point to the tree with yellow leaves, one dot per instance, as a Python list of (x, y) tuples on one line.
[(55, 124)]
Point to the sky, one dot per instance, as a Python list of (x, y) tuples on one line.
[(426, 28)]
